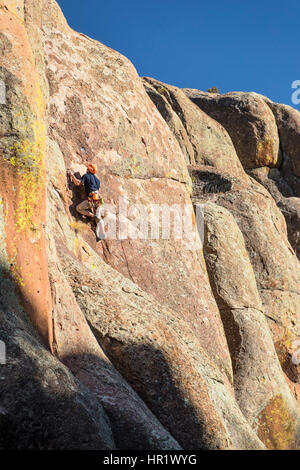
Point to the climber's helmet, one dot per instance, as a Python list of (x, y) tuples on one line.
[(91, 168)]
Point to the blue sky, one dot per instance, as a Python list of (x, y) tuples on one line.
[(234, 45)]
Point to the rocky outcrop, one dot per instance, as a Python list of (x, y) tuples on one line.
[(263, 138), (282, 192), (258, 378), (288, 123), (154, 344), (133, 424), (276, 269), (284, 184), (202, 413), (22, 181), (202, 139), (246, 116), (249, 122)]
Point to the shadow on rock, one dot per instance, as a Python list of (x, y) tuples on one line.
[(78, 195), (42, 406), (153, 384)]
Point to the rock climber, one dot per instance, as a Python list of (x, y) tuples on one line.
[(91, 184)]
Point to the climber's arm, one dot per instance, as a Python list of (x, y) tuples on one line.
[(73, 178), (76, 181)]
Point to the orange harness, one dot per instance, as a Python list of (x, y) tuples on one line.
[(95, 200)]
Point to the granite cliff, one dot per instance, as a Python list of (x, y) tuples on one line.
[(132, 342)]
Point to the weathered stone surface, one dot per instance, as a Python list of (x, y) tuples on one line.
[(99, 110), (22, 153), (254, 131), (284, 183), (133, 424), (202, 139), (42, 405), (136, 321), (288, 123), (132, 327), (33, 377), (161, 358), (276, 268), (249, 122), (282, 191), (258, 379)]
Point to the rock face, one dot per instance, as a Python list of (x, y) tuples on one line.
[(141, 340), (42, 406), (202, 139), (284, 185), (101, 112), (288, 123), (263, 138), (281, 189), (249, 122), (22, 182), (274, 263), (161, 357), (258, 379)]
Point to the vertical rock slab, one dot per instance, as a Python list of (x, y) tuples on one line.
[(282, 185), (22, 154), (132, 328), (264, 139), (42, 405), (276, 268), (288, 123), (23, 196), (260, 387), (251, 125), (133, 424), (98, 110)]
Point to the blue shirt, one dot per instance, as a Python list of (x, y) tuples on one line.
[(91, 183)]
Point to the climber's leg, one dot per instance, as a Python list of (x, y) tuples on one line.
[(84, 209)]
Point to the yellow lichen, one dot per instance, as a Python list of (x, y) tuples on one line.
[(266, 153), (163, 91), (27, 157), (78, 226), (76, 245), (277, 425)]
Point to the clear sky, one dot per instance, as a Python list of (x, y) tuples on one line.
[(234, 45)]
